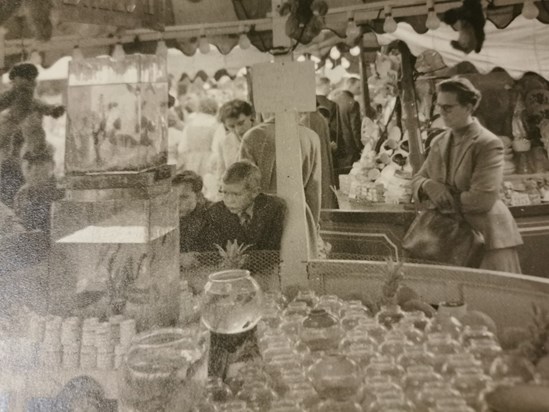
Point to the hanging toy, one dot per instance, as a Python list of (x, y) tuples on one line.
[(23, 111), (306, 19), (469, 21)]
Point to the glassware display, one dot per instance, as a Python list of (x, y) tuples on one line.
[(156, 364), (117, 114), (232, 302)]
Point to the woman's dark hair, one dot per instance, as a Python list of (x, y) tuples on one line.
[(234, 108), (189, 177), (465, 92)]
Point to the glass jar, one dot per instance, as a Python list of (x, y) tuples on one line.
[(232, 302), (321, 331), (389, 315), (157, 363), (442, 345), (307, 296), (335, 377), (475, 332), (415, 355)]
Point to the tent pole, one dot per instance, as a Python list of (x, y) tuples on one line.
[(409, 107)]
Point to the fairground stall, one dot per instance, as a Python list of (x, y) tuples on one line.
[(109, 321)]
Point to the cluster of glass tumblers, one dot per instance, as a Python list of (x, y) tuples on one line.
[(320, 353)]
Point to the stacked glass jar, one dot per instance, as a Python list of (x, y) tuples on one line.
[(320, 353)]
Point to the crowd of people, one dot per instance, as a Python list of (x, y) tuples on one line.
[(207, 142)]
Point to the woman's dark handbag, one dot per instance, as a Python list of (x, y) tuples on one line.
[(443, 238)]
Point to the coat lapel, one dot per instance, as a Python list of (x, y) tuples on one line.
[(471, 137), (444, 147)]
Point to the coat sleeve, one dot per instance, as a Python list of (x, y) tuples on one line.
[(419, 178), (277, 225), (247, 151), (356, 124), (486, 179), (312, 178)]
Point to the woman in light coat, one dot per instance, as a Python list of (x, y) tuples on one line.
[(464, 171)]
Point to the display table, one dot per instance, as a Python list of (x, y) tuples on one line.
[(373, 232)]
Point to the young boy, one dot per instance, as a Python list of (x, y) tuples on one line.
[(244, 214)]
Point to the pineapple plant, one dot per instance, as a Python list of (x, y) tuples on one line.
[(234, 256)]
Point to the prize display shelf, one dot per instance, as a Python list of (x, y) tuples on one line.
[(365, 231)]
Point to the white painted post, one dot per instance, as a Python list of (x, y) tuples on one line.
[(294, 250)]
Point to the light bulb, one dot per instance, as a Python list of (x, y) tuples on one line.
[(315, 59), (35, 58), (77, 55), (433, 22), (329, 64), (118, 53), (530, 10), (334, 53), (345, 63), (243, 41), (389, 25), (355, 51), (203, 45), (301, 58), (161, 48), (352, 31)]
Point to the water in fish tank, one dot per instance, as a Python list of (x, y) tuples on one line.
[(117, 256), (116, 114)]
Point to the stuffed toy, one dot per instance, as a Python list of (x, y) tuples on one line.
[(306, 19), (469, 21), (23, 112), (37, 13)]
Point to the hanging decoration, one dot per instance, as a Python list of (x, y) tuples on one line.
[(433, 22), (530, 10), (306, 19), (468, 20), (389, 25)]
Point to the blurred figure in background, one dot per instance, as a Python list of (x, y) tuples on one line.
[(329, 109), (258, 146), (351, 122), (237, 117), (318, 124), (194, 152), (33, 200)]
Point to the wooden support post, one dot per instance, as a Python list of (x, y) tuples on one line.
[(294, 250), (409, 107)]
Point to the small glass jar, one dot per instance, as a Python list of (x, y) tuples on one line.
[(308, 296), (297, 308), (485, 351), (335, 377), (321, 331), (470, 383), (459, 361), (475, 332), (330, 303), (389, 315), (356, 337), (415, 355), (442, 345), (157, 362)]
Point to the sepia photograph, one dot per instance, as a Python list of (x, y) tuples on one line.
[(274, 206)]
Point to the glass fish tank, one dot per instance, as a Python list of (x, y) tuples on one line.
[(116, 114), (115, 251)]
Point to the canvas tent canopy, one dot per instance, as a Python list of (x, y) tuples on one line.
[(221, 21)]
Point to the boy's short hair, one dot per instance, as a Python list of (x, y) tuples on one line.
[(191, 178), (243, 171), (24, 70), (234, 108)]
